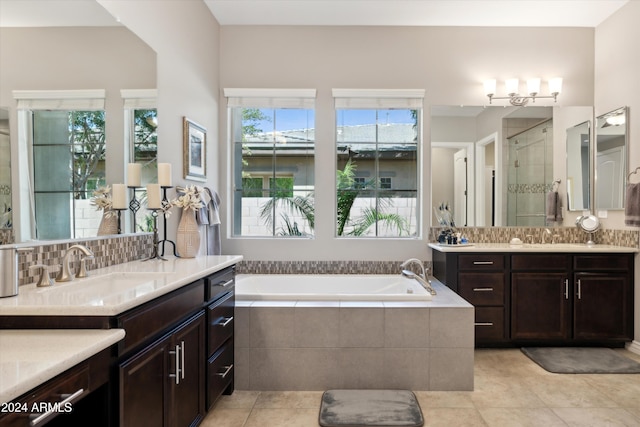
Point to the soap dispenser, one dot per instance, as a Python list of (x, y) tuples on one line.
[(9, 269)]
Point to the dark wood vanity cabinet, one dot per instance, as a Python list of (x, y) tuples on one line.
[(548, 298)]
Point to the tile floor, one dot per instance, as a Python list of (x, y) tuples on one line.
[(510, 390)]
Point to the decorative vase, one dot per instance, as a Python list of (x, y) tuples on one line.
[(108, 224), (188, 236)]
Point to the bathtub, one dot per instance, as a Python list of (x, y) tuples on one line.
[(328, 287)]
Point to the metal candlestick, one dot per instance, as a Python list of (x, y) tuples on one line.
[(154, 253), (119, 218), (164, 225), (134, 206)]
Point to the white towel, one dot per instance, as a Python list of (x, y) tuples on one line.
[(632, 205)]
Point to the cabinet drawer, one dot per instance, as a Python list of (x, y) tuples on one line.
[(482, 288), (152, 318), (489, 322), (543, 262), (481, 262), (619, 262), (219, 283), (220, 371), (68, 387), (220, 322)]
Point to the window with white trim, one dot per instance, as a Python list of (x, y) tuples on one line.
[(378, 140), (272, 155)]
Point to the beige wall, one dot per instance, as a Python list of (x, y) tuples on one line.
[(449, 63), (617, 67)]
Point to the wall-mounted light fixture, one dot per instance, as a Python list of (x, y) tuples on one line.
[(513, 90)]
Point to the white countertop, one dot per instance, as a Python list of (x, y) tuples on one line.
[(112, 290), (535, 247), (32, 357)]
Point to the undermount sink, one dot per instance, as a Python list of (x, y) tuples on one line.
[(556, 245), (107, 283)]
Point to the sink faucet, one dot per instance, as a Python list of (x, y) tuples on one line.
[(544, 233), (422, 278), (65, 272)]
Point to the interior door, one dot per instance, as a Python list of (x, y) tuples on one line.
[(609, 180), (460, 187)]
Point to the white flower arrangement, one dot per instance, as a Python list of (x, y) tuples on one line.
[(190, 198), (102, 201)]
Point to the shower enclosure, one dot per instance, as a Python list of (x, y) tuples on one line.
[(530, 174)]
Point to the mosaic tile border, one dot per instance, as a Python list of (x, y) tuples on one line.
[(6, 236), (110, 250), (628, 238), (320, 267)]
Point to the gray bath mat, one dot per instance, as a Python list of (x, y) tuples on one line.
[(581, 360), (351, 408)]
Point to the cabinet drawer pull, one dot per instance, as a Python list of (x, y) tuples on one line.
[(226, 372), (566, 288), (482, 289), (482, 262), (225, 284), (182, 359), (483, 323), (36, 419), (177, 360), (579, 289), (225, 321)]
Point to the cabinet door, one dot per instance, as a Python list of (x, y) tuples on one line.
[(143, 391), (188, 351), (602, 308), (539, 306)]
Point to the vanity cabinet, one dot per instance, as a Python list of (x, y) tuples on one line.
[(544, 298), (220, 323)]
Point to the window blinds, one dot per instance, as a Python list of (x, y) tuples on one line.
[(270, 98), (378, 98), (79, 100), (140, 99)]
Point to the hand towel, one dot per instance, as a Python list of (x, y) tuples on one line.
[(632, 205), (554, 207), (214, 245)]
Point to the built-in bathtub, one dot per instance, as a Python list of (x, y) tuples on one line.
[(329, 287), (286, 340)]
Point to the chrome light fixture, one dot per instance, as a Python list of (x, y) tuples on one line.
[(513, 90)]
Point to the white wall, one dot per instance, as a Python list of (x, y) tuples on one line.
[(449, 63), (617, 67)]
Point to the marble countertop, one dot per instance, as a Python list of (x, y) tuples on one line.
[(535, 247), (112, 290), (32, 357)]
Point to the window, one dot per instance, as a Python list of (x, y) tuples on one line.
[(273, 143), (377, 140)]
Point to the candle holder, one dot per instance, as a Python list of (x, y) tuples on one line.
[(134, 205), (164, 225), (154, 253), (119, 210)]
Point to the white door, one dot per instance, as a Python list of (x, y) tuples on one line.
[(460, 187)]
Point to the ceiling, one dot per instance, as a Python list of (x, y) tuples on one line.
[(535, 13)]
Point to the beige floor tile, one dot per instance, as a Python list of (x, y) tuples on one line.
[(283, 418), (449, 417), (223, 417), (501, 392), (520, 417), (597, 417), (624, 390), (444, 399), (289, 400), (240, 399), (568, 391)]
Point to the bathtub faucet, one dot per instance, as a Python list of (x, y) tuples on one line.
[(422, 278)]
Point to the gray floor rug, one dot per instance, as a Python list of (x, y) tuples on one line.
[(581, 360), (351, 408)]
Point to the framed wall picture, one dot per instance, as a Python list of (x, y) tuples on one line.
[(195, 149)]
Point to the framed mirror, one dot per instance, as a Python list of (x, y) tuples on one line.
[(611, 159), (579, 167)]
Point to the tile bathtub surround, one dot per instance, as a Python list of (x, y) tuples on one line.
[(318, 345), (109, 250), (627, 238), (6, 236)]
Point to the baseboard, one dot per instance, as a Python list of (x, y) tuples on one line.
[(634, 347)]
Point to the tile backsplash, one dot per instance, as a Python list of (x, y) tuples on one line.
[(108, 250)]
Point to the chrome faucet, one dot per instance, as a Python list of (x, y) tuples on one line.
[(543, 233), (65, 271), (422, 278)]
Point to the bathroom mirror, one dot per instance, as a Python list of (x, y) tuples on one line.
[(520, 140), (611, 159), (579, 167), (5, 172)]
